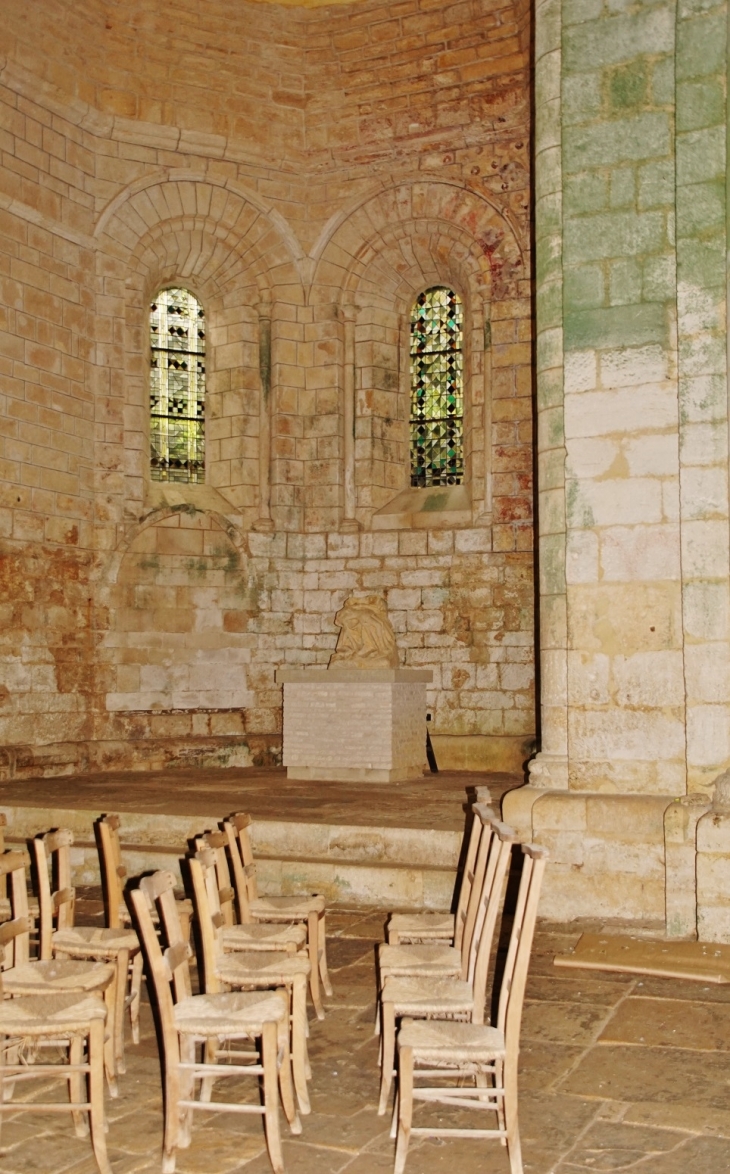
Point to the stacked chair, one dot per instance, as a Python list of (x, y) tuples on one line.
[(251, 970), (437, 993), (60, 938), (306, 910)]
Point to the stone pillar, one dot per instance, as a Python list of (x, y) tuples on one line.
[(632, 459), (349, 522), (549, 769), (680, 852), (713, 866), (265, 521)]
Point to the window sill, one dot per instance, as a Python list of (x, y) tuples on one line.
[(173, 494), (438, 508)]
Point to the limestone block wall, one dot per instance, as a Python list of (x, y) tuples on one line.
[(305, 172), (631, 176)]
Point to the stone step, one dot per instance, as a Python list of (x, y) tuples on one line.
[(391, 867)]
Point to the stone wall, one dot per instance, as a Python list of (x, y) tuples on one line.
[(305, 173), (633, 451)]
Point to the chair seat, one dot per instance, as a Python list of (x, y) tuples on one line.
[(36, 1014), (93, 942), (263, 937), (273, 967), (240, 1012), (55, 976), (428, 996), (445, 1043), (286, 908), (421, 926), (436, 960)]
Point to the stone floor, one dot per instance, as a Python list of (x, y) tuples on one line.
[(617, 1074), (433, 801)]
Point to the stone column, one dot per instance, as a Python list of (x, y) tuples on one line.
[(264, 521), (550, 767), (349, 522)]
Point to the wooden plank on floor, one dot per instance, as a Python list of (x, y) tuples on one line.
[(696, 961)]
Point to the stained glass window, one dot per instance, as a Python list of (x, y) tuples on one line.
[(177, 387), (437, 389)]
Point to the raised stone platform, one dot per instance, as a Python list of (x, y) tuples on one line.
[(346, 724), (396, 845)]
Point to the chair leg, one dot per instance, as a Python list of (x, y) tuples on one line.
[(313, 943), (135, 993), (271, 1098), (299, 1042), (323, 971), (186, 1085), (172, 1113), (110, 1059), (286, 1087), (514, 1148), (387, 1012), (96, 1095), (405, 1100), (3, 1087), (209, 1057), (76, 1085), (122, 967)]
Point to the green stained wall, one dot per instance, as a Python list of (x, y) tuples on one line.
[(631, 234)]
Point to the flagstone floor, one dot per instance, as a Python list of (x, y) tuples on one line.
[(616, 1074)]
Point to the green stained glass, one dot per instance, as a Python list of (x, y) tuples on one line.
[(177, 387), (437, 389)]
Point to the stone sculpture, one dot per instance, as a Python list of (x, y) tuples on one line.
[(367, 639)]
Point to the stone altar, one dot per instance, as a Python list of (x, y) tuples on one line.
[(354, 725)]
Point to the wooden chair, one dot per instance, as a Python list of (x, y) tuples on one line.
[(5, 910), (48, 978), (214, 1021), (438, 959), (63, 1020), (446, 927), (309, 910), (114, 875), (475, 1051), (447, 998), (119, 947), (259, 970), (235, 934)]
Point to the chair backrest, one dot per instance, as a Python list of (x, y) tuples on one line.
[(3, 879), (239, 872), (16, 932), (56, 894), (514, 978), (217, 843), (158, 891), (208, 914), (113, 872), (166, 970), (467, 876), (489, 906), (484, 864), (242, 823)]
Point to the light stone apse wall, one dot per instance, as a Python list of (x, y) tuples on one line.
[(305, 173)]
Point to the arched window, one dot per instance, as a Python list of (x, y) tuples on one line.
[(177, 387), (437, 388)]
